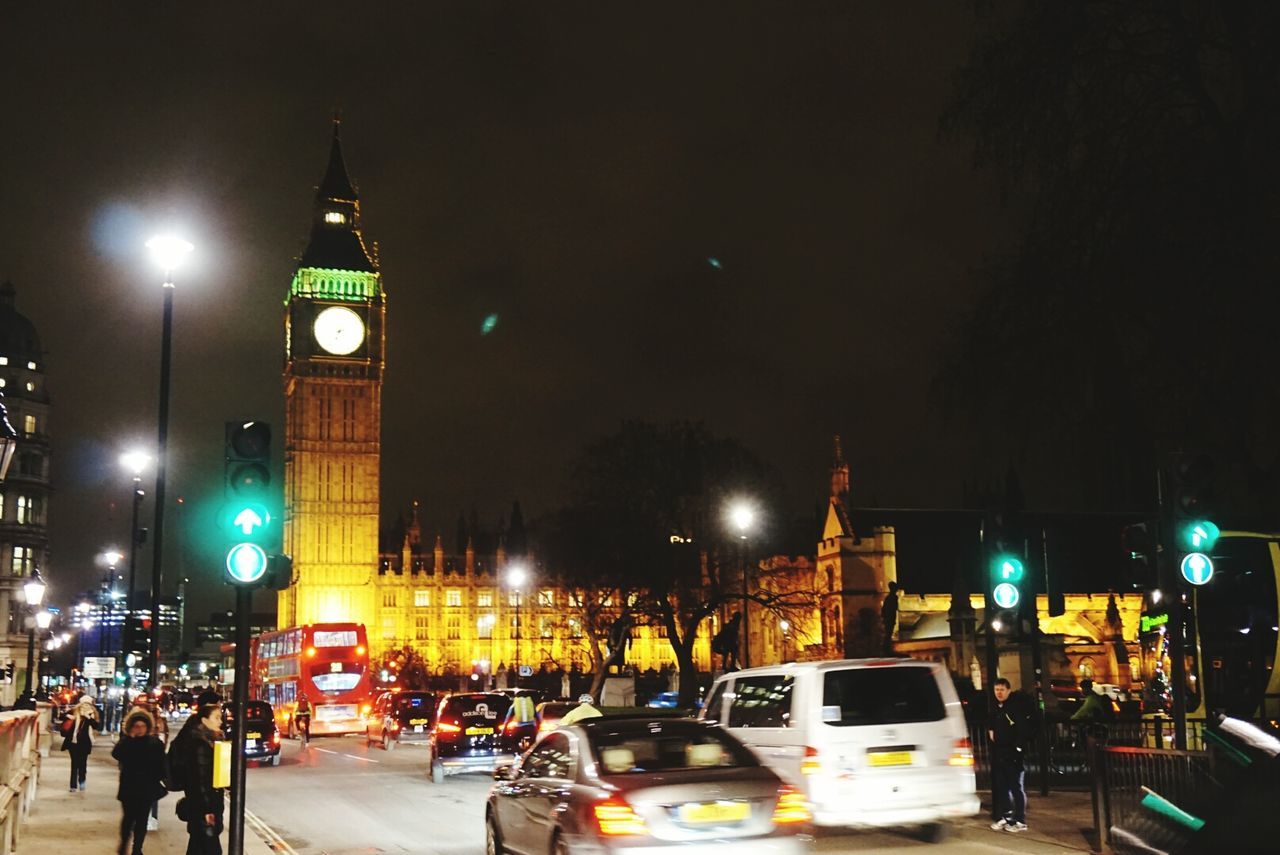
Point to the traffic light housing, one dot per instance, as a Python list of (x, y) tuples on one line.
[(1193, 534), (246, 519), (1006, 572)]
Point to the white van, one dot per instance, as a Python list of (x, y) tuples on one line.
[(873, 742)]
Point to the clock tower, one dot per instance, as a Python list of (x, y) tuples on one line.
[(335, 317)]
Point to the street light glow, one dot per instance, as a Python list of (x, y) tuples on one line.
[(517, 576), (44, 617), (112, 557), (743, 517), (168, 251), (135, 461), (34, 589)]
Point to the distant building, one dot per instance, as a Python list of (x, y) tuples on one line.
[(110, 631), (24, 495)]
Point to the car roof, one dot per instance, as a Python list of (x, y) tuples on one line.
[(643, 724), (829, 665)]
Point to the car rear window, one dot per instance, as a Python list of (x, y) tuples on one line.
[(475, 709), (411, 702), (666, 750), (880, 695)]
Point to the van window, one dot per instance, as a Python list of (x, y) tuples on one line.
[(711, 709), (881, 696), (761, 702)]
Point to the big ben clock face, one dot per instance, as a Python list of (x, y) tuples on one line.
[(339, 330)]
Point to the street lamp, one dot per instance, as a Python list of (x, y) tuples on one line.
[(33, 589), (488, 621), (134, 462), (742, 516), (516, 577), (168, 252)]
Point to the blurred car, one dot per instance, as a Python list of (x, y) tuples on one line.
[(664, 701), (261, 738), (1065, 689), (400, 717), (550, 713), (636, 784), (465, 734)]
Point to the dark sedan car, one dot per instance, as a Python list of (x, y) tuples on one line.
[(400, 717), (633, 785), (261, 739), (465, 735)]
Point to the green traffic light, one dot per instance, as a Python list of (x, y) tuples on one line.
[(1200, 535), (246, 563), (1007, 568), (246, 520)]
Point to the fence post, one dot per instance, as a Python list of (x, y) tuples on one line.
[(1096, 752)]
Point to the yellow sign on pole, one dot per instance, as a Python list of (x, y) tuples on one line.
[(221, 764)]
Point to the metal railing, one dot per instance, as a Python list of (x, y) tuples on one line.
[(23, 740), (1129, 780)]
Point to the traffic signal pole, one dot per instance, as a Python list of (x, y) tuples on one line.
[(235, 824), (1168, 574)]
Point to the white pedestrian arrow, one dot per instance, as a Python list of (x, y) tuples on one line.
[(247, 520)]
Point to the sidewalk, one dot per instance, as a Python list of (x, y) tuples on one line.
[(1063, 819), (89, 822)]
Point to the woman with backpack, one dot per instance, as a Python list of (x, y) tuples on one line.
[(77, 739)]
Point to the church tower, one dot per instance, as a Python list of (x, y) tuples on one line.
[(334, 332)]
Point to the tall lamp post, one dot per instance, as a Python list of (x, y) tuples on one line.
[(516, 577), (168, 253), (34, 590), (743, 518), (135, 462)]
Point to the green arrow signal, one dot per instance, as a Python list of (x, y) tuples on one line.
[(249, 519)]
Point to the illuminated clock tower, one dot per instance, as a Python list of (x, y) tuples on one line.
[(335, 317)]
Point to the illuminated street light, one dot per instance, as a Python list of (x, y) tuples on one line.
[(135, 462), (742, 516), (516, 578), (168, 252)]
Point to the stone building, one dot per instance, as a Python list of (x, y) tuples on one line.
[(24, 495)]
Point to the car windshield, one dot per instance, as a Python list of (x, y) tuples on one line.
[(881, 695), (665, 749)]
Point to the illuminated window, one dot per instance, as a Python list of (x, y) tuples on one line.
[(335, 217), (454, 628), (421, 628), (28, 424), (546, 598), (484, 626), (575, 628), (575, 599), (3, 382), (515, 599), (421, 598), (484, 599), (388, 599), (31, 387), (453, 598), (22, 559), (31, 365), (388, 626), (25, 510), (515, 627), (4, 360), (547, 627)]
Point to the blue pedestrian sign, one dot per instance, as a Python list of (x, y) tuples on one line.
[(1197, 568), (1006, 595)]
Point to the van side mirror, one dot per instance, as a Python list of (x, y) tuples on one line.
[(505, 772)]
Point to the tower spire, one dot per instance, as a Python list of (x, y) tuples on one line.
[(336, 184), (839, 473)]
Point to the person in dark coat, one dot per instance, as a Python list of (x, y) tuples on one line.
[(141, 757), (204, 803), (77, 739), (1009, 727)]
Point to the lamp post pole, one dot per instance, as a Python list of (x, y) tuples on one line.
[(168, 252), (516, 578)]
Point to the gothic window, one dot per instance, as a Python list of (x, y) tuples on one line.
[(547, 627), (388, 599), (421, 628), (484, 599), (422, 598), (575, 628), (484, 626), (575, 599), (546, 598), (334, 217), (454, 628), (514, 627), (388, 626), (515, 598), (453, 597)]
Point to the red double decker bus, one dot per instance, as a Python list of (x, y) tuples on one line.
[(327, 661)]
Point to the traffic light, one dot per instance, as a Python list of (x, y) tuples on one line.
[(1006, 573), (1193, 533), (246, 516), (279, 572)]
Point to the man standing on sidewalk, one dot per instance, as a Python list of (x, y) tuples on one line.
[(1009, 728)]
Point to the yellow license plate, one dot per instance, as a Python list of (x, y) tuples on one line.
[(479, 731), (889, 758), (417, 721), (253, 736), (707, 813)]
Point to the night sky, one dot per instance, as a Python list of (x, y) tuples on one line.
[(570, 170)]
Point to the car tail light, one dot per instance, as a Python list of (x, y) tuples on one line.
[(275, 737), (616, 818), (446, 727), (810, 765), (395, 725), (364, 710), (547, 726), (961, 753), (791, 808)]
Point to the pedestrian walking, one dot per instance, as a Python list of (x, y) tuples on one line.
[(77, 739), (160, 729), (1009, 728), (141, 757), (202, 806)]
